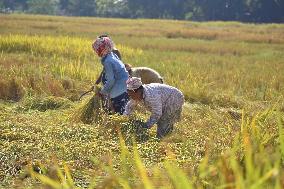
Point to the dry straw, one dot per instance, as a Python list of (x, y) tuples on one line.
[(90, 111)]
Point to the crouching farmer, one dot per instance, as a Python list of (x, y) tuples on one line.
[(115, 72), (147, 75), (163, 101)]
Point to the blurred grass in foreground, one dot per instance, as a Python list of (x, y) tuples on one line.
[(230, 135)]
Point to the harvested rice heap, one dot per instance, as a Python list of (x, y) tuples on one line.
[(90, 111)]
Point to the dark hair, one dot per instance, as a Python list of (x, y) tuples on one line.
[(103, 35), (140, 88)]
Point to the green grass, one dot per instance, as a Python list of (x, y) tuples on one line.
[(230, 135)]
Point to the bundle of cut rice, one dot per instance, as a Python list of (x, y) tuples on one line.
[(90, 111)]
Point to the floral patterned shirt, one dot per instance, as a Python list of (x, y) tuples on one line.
[(159, 99)]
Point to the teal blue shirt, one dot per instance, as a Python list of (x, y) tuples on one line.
[(116, 76)]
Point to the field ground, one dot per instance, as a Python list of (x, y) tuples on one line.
[(230, 135)]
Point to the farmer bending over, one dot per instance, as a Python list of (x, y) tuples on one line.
[(147, 75), (115, 72), (163, 101)]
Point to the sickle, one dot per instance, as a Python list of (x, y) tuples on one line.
[(85, 94)]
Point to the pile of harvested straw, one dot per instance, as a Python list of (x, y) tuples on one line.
[(90, 111)]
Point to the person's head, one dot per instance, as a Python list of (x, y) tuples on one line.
[(102, 46), (135, 88)]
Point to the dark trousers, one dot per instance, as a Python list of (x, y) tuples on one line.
[(119, 103)]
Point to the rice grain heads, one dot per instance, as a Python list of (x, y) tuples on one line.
[(89, 111)]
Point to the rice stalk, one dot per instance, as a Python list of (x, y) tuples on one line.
[(90, 111)]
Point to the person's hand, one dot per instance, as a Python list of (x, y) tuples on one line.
[(99, 94), (92, 88), (145, 126)]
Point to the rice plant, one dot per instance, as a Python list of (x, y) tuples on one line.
[(230, 134)]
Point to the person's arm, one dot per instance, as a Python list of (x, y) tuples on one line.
[(129, 107), (109, 77), (99, 78), (156, 110)]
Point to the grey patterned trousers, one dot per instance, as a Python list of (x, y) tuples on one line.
[(166, 123)]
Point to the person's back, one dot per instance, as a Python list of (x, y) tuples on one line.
[(169, 96), (116, 75), (102, 76), (117, 53), (147, 75)]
